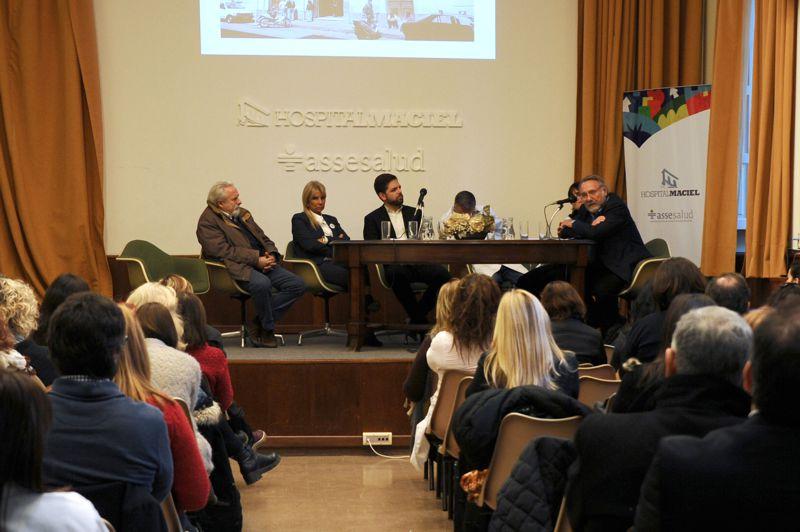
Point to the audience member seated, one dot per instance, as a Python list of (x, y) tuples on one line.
[(314, 232), (181, 285), (164, 295), (190, 486), (642, 305), (523, 351), (11, 359), (642, 382), (742, 477), (25, 504), (673, 277), (214, 366), (228, 233), (787, 293), (60, 289), (793, 274), (19, 310), (460, 347), (730, 290), (567, 313), (98, 434), (702, 393)]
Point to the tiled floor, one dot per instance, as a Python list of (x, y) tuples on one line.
[(336, 490)]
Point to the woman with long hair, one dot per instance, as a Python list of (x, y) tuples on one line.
[(314, 232), (24, 504), (190, 485), (567, 313), (468, 333), (523, 350)]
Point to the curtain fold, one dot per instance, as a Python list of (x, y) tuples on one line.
[(769, 177), (722, 170), (52, 216), (625, 45)]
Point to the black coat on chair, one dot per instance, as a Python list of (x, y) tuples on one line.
[(306, 237)]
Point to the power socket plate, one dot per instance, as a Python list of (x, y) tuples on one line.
[(376, 438)]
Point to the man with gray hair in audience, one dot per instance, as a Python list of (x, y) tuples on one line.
[(703, 392), (730, 290)]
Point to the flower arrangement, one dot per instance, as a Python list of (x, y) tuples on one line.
[(473, 226)]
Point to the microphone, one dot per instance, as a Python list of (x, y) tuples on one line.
[(569, 199), (420, 202)]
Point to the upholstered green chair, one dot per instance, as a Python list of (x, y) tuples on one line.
[(658, 247), (644, 271), (147, 263), (308, 271), (221, 280)]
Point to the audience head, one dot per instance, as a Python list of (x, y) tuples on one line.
[(464, 203), (730, 290), (793, 275), (180, 284), (676, 276), (474, 310), (87, 332), (444, 307), (593, 192), (224, 196), (562, 301), (786, 295), (194, 321), (156, 322), (134, 374), (757, 315), (388, 189), (712, 341), (24, 421), (60, 289), (644, 303), (523, 350), (19, 308), (164, 295), (682, 304), (774, 375), (314, 197)]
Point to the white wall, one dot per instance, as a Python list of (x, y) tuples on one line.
[(170, 117)]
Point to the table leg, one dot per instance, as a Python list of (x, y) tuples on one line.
[(356, 326), (577, 278)]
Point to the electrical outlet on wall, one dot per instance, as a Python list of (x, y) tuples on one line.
[(376, 438)]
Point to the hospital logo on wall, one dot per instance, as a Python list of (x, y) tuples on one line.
[(669, 188)]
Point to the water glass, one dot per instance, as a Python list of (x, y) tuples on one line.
[(542, 230), (508, 230), (426, 229), (413, 230), (386, 230), (523, 230)]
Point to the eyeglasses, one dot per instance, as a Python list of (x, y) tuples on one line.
[(594, 193)]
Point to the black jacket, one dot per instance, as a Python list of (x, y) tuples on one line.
[(743, 477), (477, 421), (615, 450), (586, 342), (619, 245), (39, 356), (643, 341), (306, 237), (531, 497), (372, 221)]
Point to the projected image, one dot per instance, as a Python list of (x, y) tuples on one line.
[(416, 20), (461, 29)]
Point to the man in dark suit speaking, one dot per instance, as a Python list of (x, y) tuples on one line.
[(400, 276), (605, 218)]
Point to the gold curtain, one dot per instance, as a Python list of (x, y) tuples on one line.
[(51, 142), (625, 45), (722, 170), (769, 175)]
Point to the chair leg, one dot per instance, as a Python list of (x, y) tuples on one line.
[(243, 313), (326, 330), (439, 478)]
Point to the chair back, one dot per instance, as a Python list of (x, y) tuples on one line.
[(562, 523), (443, 409), (221, 279), (658, 247), (603, 371), (171, 515), (147, 263), (309, 272), (516, 431), (449, 444), (609, 352), (643, 272), (593, 389)]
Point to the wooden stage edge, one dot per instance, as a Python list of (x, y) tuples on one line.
[(323, 403)]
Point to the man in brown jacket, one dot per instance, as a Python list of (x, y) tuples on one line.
[(228, 233)]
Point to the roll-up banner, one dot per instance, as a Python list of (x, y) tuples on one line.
[(666, 143)]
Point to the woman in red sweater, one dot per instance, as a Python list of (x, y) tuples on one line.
[(190, 484)]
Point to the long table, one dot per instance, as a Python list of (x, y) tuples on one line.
[(358, 254)]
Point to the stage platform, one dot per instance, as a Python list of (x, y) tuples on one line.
[(322, 394)]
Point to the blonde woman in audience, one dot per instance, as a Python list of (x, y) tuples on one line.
[(523, 350), (165, 295), (459, 343), (182, 286), (24, 504), (19, 313), (190, 484)]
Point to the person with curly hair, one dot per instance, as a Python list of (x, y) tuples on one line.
[(19, 311)]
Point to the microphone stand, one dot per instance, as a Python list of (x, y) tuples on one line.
[(549, 233)]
